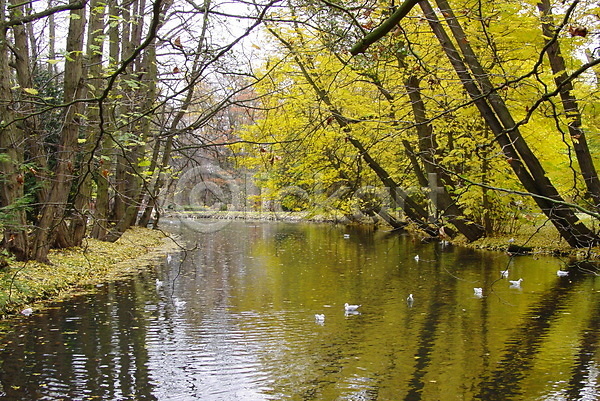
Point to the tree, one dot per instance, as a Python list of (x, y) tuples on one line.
[(87, 142), (51, 224), (571, 112), (493, 109)]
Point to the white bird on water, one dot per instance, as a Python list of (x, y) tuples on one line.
[(515, 283), (27, 311), (478, 292), (417, 258), (346, 236), (178, 303), (351, 308), (319, 318), (169, 258), (562, 273), (504, 273), (159, 284), (410, 300)]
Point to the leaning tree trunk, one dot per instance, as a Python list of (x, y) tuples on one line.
[(569, 102), (428, 148), (398, 196), (493, 109)]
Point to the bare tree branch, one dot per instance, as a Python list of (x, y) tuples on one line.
[(75, 5)]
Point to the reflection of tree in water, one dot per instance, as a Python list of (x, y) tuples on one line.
[(91, 348), (505, 383)]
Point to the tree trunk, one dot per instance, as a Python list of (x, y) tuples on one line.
[(118, 36), (428, 149), (53, 211), (485, 196), (105, 180), (398, 196), (101, 207), (126, 222), (12, 140), (52, 43), (390, 23), (571, 109), (36, 154), (523, 162), (129, 182), (94, 51), (158, 183)]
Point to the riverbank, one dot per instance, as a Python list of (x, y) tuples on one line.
[(75, 270), (25, 285), (539, 237), (534, 240), (535, 236)]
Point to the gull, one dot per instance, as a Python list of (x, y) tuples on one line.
[(410, 300), (27, 311), (178, 303), (169, 257), (504, 273), (515, 283), (350, 308), (562, 273), (478, 292), (417, 258), (346, 235), (159, 284), (319, 317)]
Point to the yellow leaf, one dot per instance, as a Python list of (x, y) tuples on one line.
[(31, 91)]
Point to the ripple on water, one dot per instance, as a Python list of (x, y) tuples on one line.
[(216, 357), (247, 329)]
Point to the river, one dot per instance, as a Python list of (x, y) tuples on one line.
[(233, 318)]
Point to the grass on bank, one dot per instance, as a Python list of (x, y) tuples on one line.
[(541, 235), (24, 283)]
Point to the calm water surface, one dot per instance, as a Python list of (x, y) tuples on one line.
[(234, 319)]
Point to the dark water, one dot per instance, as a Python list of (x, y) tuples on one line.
[(234, 319)]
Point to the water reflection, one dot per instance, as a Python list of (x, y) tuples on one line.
[(235, 319)]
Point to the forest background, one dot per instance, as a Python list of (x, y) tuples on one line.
[(459, 118)]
